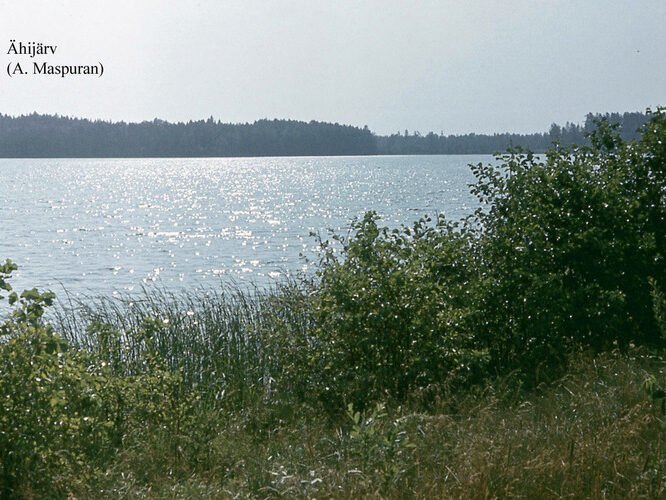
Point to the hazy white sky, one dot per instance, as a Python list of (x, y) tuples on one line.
[(451, 66)]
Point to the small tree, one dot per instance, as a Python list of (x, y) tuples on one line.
[(568, 244), (391, 315)]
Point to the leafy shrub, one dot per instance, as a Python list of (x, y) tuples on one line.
[(560, 255), (392, 314), (51, 410), (63, 411), (378, 443), (569, 243)]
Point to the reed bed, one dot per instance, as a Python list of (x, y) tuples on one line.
[(221, 340)]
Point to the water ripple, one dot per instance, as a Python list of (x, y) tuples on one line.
[(98, 226)]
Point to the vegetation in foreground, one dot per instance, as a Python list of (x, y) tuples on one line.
[(519, 352)]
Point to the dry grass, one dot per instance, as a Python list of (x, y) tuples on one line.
[(592, 434)]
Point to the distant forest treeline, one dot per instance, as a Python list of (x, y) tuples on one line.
[(47, 136)]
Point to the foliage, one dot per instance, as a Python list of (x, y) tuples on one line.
[(561, 254), (51, 412), (377, 442), (64, 411), (391, 315), (659, 307), (569, 243), (49, 401), (222, 394), (5, 272)]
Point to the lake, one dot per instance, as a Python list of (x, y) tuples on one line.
[(109, 226)]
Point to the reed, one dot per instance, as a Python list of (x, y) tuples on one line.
[(221, 340)]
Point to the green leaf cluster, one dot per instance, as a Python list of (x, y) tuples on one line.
[(567, 251), (64, 411), (569, 244), (392, 314)]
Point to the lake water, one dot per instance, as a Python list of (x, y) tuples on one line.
[(108, 226)]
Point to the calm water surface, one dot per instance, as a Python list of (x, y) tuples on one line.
[(102, 227)]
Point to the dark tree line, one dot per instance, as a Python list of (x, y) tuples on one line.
[(570, 133), (56, 136)]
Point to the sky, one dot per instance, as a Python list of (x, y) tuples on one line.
[(446, 66)]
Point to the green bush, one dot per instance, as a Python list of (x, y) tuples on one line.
[(560, 255), (52, 424), (569, 243), (391, 315), (64, 411)]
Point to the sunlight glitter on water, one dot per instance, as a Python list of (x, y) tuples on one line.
[(94, 226)]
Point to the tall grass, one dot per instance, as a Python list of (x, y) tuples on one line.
[(220, 340), (591, 434), (594, 433)]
